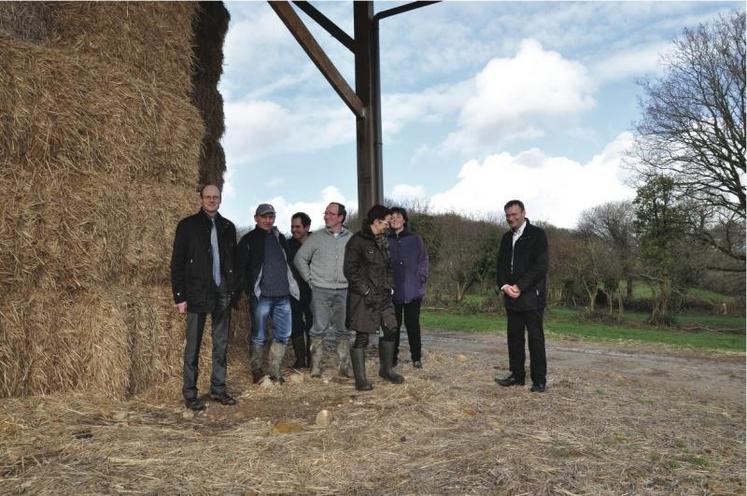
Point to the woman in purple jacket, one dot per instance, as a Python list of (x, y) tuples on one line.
[(410, 266)]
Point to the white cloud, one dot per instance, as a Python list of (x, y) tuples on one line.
[(258, 128), (407, 193), (229, 190), (275, 182), (632, 62), (430, 105), (555, 189), (512, 94)]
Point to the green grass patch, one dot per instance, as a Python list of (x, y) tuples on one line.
[(642, 290), (709, 296), (565, 322)]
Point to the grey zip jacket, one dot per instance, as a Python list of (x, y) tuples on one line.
[(320, 259)]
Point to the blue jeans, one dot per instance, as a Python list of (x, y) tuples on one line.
[(276, 307)]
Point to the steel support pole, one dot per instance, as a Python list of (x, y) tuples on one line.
[(368, 126)]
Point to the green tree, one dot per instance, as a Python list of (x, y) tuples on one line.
[(660, 226)]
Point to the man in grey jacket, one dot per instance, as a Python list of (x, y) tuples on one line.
[(320, 263)]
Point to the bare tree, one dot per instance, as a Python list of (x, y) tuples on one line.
[(467, 253), (613, 223), (693, 130)]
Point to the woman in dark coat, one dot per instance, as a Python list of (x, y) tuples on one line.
[(369, 274), (410, 266)]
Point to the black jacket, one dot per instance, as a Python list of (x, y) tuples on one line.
[(529, 269), (250, 258), (192, 260), (370, 281)]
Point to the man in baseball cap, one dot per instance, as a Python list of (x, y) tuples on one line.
[(269, 283), (264, 209)]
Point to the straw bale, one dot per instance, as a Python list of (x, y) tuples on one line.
[(61, 110), (49, 344), (114, 341), (150, 40), (212, 163), (211, 25), (101, 146), (75, 230), (24, 20)]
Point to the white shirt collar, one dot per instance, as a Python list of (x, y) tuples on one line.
[(520, 230)]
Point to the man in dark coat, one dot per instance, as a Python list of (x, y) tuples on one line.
[(265, 275), (369, 273), (202, 280), (301, 308), (522, 273)]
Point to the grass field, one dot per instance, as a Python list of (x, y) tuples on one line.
[(566, 322)]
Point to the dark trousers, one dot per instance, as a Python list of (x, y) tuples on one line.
[(412, 323), (531, 320), (302, 318), (195, 325)]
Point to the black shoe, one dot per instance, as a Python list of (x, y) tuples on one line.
[(538, 388), (417, 364), (223, 398), (511, 380), (194, 404)]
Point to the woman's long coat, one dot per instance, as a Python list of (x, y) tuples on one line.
[(370, 283)]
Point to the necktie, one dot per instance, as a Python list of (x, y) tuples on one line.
[(216, 253)]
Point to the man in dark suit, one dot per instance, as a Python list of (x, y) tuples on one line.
[(522, 273), (202, 280)]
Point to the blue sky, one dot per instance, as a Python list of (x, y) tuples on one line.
[(482, 102)]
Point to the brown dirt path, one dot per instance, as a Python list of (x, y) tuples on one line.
[(617, 419)]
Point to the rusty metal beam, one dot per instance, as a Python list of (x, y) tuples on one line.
[(402, 8), (298, 29), (325, 22)]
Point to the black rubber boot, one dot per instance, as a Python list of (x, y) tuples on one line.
[(386, 354), (299, 348), (358, 359)]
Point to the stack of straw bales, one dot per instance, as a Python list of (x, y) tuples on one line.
[(101, 151)]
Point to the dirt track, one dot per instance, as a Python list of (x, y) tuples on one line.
[(617, 419), (712, 375)]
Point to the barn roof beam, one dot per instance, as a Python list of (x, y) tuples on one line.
[(324, 21), (402, 8), (304, 37)]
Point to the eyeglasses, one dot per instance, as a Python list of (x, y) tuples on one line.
[(327, 212)]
